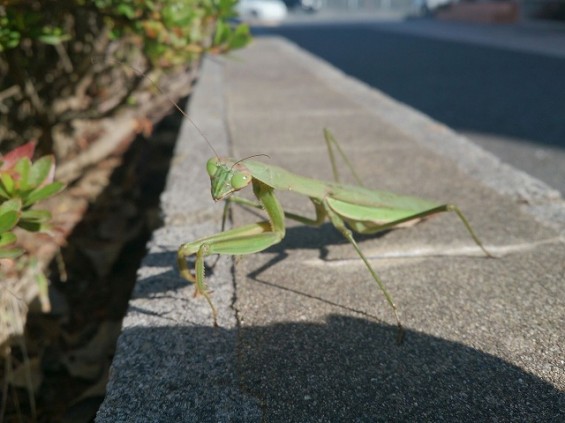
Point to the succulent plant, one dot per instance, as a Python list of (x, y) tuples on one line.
[(22, 184)]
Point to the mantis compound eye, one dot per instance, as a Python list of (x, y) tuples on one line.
[(212, 166), (240, 180)]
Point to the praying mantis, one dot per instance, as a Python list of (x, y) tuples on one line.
[(349, 208)]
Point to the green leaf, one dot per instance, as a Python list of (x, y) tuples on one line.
[(42, 193), (38, 216), (8, 220), (11, 253), (53, 35), (42, 284), (3, 194), (222, 31), (8, 38), (53, 39), (7, 184), (15, 204), (241, 37), (40, 170), (23, 167), (32, 226), (126, 10), (6, 239)]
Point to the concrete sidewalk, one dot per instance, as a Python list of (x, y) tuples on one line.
[(305, 334)]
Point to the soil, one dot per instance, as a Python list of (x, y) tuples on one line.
[(71, 347)]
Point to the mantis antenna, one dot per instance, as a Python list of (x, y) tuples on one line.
[(176, 106), (250, 157)]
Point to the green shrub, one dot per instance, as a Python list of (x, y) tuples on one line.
[(61, 61)]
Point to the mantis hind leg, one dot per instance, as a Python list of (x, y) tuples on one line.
[(367, 228), (459, 213), (331, 142), (339, 224)]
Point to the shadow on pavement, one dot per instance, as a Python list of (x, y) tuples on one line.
[(347, 369)]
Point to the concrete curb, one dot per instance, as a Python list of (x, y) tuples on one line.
[(161, 327)]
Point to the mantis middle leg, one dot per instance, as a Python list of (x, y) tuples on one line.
[(340, 225)]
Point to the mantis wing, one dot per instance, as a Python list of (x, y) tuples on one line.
[(371, 219)]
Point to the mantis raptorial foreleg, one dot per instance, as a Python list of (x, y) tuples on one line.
[(247, 239)]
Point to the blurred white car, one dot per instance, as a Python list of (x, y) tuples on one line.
[(261, 10), (429, 6)]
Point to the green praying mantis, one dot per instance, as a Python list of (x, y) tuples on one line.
[(348, 207)]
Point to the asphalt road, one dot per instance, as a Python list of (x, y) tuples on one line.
[(510, 102)]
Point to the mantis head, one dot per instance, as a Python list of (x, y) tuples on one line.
[(227, 177)]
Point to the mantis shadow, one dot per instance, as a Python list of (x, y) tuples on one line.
[(166, 280), (307, 237)]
